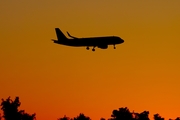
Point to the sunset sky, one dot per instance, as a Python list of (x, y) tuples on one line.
[(53, 80)]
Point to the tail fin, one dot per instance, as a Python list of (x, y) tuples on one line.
[(60, 35)]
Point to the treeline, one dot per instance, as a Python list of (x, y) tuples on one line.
[(11, 112)]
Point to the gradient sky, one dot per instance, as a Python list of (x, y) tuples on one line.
[(53, 80)]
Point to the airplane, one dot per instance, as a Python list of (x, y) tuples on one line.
[(100, 42)]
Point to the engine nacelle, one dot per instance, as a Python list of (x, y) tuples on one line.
[(103, 46)]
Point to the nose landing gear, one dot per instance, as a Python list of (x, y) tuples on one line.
[(114, 46)]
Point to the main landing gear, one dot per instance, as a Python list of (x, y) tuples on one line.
[(87, 48), (93, 49)]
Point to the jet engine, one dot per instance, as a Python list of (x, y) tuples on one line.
[(103, 46)]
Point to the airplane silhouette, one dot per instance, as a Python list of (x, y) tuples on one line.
[(100, 42)]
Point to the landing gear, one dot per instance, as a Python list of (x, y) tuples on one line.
[(87, 48), (114, 46), (93, 48)]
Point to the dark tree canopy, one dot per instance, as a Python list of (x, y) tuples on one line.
[(11, 112), (178, 118), (158, 117), (102, 119), (142, 116), (82, 117), (122, 114), (64, 118)]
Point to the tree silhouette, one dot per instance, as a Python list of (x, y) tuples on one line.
[(102, 119), (82, 117), (65, 118), (178, 118), (11, 112), (0, 117), (141, 116), (158, 117), (122, 114)]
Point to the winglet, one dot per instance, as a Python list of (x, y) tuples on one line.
[(71, 36)]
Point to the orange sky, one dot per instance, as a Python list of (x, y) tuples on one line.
[(53, 80)]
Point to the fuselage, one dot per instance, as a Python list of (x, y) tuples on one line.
[(91, 41)]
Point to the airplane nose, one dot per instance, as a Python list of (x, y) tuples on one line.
[(122, 40)]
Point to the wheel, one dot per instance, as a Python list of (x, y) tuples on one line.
[(93, 49), (114, 46), (87, 48)]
